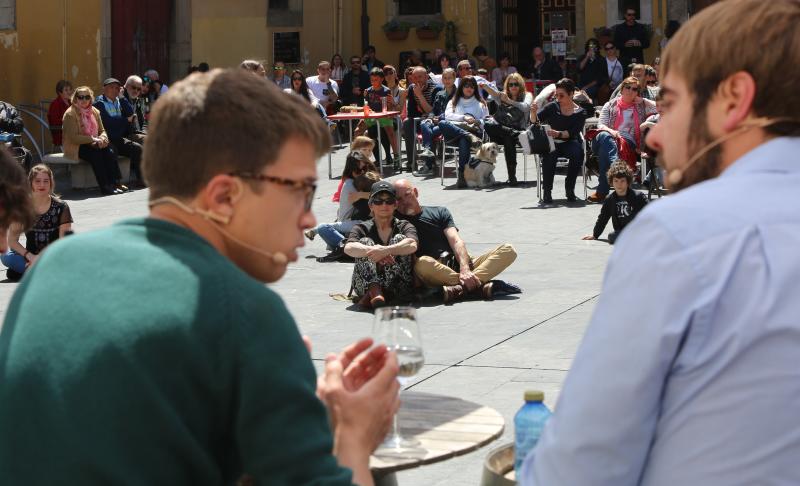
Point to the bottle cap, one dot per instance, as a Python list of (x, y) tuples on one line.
[(534, 396)]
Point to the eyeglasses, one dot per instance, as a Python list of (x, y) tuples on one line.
[(279, 68), (308, 187), (297, 79), (513, 85), (381, 202), (83, 97), (632, 88)]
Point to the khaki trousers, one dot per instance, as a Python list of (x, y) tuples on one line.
[(485, 267)]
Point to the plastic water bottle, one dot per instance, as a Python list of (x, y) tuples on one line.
[(528, 424)]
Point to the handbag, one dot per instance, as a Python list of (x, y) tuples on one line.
[(510, 116), (538, 139)]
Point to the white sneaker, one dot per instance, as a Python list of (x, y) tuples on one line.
[(525, 143), (427, 154)]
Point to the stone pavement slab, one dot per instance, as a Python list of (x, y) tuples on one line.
[(486, 352)]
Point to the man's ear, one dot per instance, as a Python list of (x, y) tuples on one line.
[(220, 196), (736, 95)]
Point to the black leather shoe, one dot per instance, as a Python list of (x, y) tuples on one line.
[(548, 197)]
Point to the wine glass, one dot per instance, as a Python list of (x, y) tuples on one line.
[(397, 329)]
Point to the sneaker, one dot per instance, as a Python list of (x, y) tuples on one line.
[(427, 154), (333, 256), (597, 197), (310, 234), (504, 288), (524, 143), (13, 276)]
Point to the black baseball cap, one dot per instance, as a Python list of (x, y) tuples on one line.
[(379, 187), (111, 81)]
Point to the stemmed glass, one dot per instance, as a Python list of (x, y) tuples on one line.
[(398, 330)]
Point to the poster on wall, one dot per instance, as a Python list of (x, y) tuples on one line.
[(286, 47), (559, 38)]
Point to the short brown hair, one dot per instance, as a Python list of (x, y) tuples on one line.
[(364, 182), (16, 203), (219, 122), (618, 170), (703, 54)]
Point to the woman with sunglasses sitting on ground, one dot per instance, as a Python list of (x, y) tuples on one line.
[(464, 122), (85, 138), (618, 134), (511, 118), (53, 221), (383, 248), (566, 120)]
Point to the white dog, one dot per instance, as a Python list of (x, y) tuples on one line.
[(478, 172)]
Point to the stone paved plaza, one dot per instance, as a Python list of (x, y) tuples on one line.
[(485, 352)]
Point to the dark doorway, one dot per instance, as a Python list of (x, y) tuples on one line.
[(140, 37), (518, 29)]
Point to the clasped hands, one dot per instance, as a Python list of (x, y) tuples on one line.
[(380, 254)]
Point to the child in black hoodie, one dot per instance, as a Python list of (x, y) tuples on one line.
[(621, 206)]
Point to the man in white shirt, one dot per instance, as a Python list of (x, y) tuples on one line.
[(324, 88), (687, 373)]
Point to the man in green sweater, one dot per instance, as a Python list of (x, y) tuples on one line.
[(152, 353)]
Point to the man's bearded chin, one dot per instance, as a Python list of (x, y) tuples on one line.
[(705, 167)]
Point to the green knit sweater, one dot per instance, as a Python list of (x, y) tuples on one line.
[(138, 355)]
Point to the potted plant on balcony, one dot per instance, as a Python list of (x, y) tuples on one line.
[(430, 29), (396, 30)]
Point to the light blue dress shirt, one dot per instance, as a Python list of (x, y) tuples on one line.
[(689, 372)]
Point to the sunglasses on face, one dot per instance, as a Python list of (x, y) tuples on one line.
[(382, 201), (297, 79), (83, 97), (513, 85), (632, 88)]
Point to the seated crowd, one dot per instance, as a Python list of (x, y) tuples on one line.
[(98, 130)]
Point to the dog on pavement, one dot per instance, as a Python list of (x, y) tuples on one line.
[(478, 172)]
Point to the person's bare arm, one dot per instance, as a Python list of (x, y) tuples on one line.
[(14, 233), (355, 196), (466, 277), (405, 247)]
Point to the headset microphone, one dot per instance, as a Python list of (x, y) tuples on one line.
[(216, 220), (676, 175)]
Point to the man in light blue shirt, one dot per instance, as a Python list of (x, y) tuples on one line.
[(688, 373)]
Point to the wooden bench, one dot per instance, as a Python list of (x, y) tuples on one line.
[(81, 174)]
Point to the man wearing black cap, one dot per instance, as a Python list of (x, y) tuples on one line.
[(384, 250), (117, 114)]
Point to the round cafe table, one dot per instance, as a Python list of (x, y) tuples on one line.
[(444, 426)]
